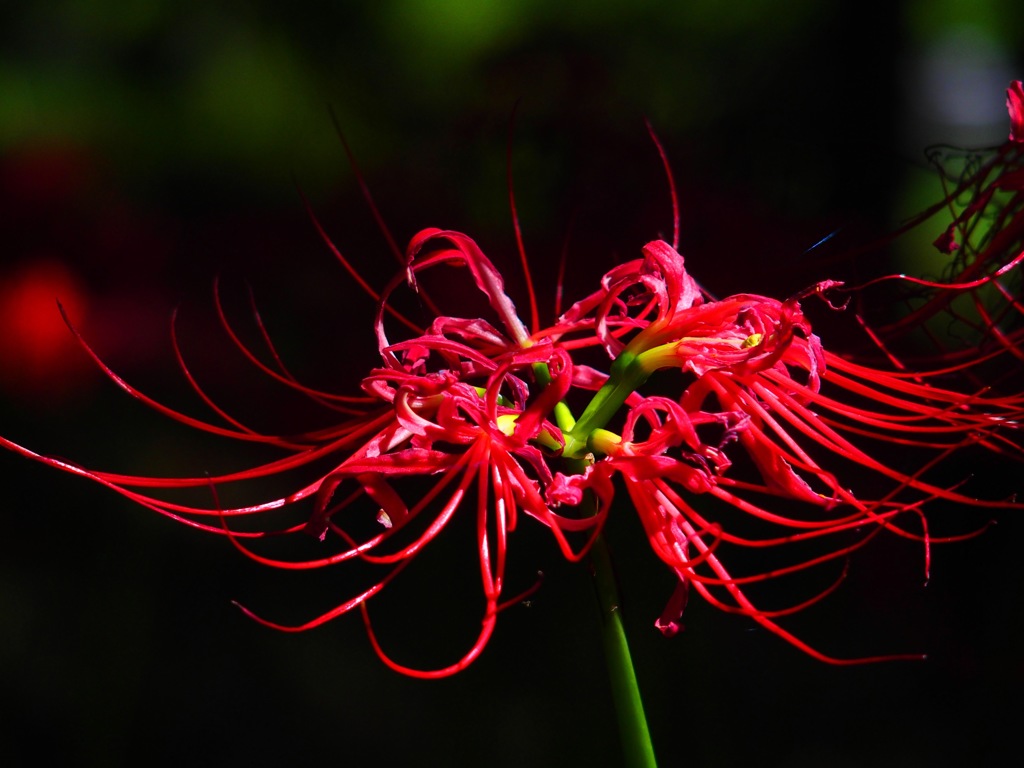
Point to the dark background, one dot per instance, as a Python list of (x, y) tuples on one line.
[(146, 148)]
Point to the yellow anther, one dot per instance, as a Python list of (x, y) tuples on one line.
[(507, 423)]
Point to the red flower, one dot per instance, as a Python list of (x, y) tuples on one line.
[(451, 407), (760, 385)]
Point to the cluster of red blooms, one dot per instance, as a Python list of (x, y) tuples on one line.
[(753, 442)]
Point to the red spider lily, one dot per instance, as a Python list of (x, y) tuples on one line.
[(473, 415), (980, 289), (450, 406), (760, 379)]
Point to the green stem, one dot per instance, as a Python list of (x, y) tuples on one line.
[(629, 709), (626, 375)]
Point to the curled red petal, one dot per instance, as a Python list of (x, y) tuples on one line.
[(1015, 106)]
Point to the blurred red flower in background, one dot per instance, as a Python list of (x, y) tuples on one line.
[(37, 353)]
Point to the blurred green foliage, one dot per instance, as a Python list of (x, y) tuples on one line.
[(242, 88)]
